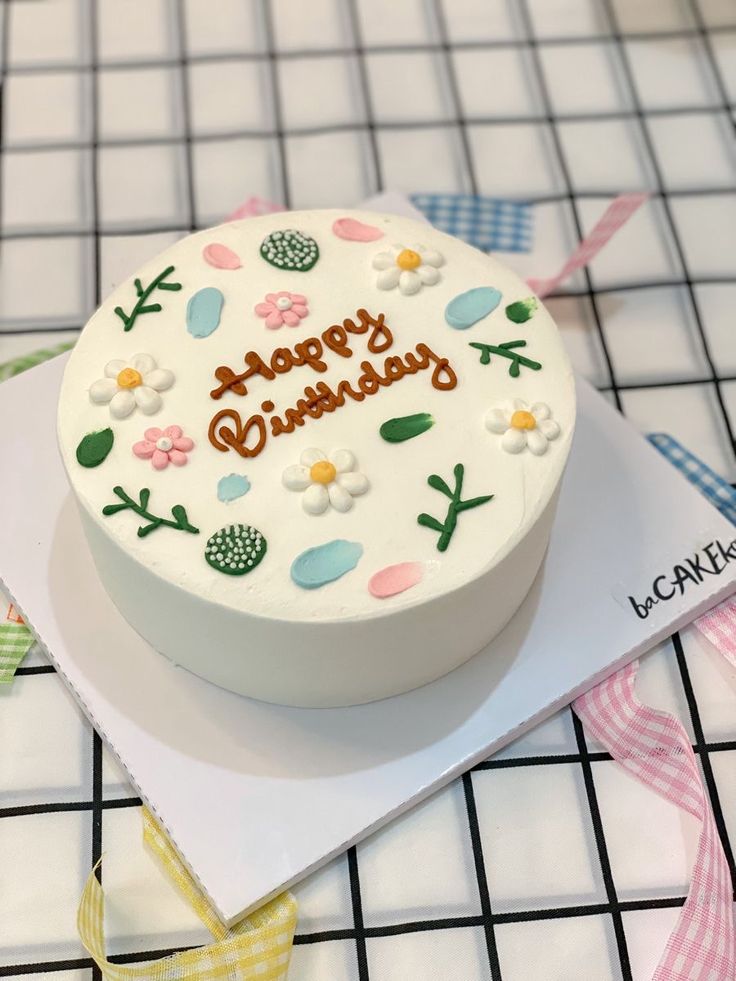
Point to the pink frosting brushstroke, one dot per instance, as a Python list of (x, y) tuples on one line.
[(395, 579), (220, 256)]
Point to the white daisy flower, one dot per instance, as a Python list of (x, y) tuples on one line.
[(523, 426), (128, 385), (409, 269), (326, 480)]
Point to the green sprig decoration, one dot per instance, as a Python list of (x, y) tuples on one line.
[(180, 522), (455, 507), (506, 350), (143, 292)]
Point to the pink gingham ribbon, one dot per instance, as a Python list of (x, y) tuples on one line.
[(719, 627), (253, 207), (615, 215), (654, 747)]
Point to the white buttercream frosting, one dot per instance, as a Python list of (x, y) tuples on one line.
[(378, 488)]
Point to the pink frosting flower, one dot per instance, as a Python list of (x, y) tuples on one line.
[(282, 308), (164, 446)]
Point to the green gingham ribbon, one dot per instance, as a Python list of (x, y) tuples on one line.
[(25, 361), (15, 638), (15, 642)]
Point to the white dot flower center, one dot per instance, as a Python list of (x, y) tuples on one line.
[(284, 303), (165, 444)]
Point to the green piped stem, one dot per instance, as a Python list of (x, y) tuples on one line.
[(506, 350), (181, 522), (455, 507), (143, 293)]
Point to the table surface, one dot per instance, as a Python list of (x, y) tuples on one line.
[(128, 124)]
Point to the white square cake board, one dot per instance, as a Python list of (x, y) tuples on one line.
[(255, 796)]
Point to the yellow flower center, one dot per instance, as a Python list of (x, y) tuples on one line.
[(129, 378), (408, 259), (322, 472), (523, 420)]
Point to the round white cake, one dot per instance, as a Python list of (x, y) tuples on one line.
[(317, 454)]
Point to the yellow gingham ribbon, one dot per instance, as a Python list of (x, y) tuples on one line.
[(256, 949)]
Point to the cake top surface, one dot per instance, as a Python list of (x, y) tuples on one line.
[(318, 415)]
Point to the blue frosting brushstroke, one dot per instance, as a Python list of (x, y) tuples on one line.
[(325, 563), (232, 487), (468, 308), (203, 311)]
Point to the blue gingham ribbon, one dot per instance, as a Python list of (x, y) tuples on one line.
[(718, 491), (490, 224)]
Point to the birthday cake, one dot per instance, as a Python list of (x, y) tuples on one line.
[(317, 454)]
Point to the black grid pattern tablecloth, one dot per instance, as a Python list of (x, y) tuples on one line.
[(127, 123)]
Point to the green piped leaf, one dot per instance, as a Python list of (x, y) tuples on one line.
[(522, 310), (406, 427), (94, 448)]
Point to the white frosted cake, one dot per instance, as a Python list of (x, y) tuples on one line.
[(317, 454)]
